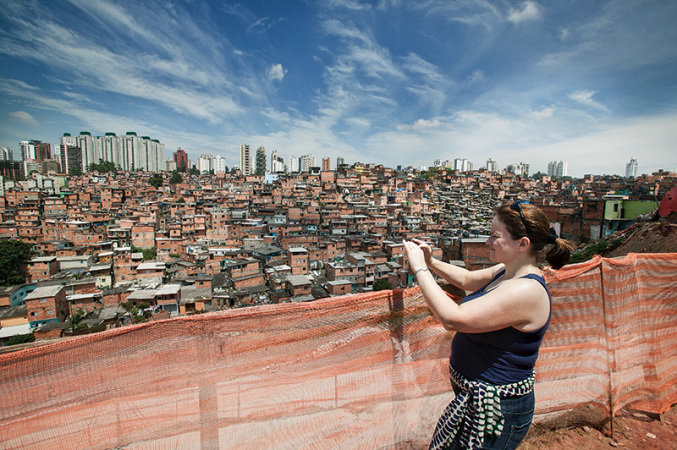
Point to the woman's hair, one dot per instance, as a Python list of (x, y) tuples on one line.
[(534, 224)]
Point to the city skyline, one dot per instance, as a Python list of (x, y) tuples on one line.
[(391, 82)]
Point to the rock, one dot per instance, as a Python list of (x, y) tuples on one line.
[(651, 435), (613, 443), (586, 428)]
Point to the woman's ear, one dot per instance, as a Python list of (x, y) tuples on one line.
[(524, 243)]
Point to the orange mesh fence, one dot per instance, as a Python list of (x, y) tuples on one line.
[(363, 371)]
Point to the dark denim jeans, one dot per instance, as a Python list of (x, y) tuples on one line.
[(518, 413)]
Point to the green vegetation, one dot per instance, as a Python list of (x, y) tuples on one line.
[(13, 255), (21, 339), (193, 171), (74, 321), (138, 313), (598, 248), (103, 167), (148, 253), (382, 284), (430, 174), (175, 178), (155, 180)]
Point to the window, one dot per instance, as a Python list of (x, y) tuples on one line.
[(43, 300)]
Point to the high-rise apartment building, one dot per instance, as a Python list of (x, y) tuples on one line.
[(558, 168), (128, 152), (339, 162), (462, 165), (70, 157), (261, 161), (306, 162), (245, 159), (521, 169), (276, 163), (6, 154), (181, 160), (492, 165), (326, 164), (204, 163), (219, 164), (293, 165), (631, 168), (27, 150)]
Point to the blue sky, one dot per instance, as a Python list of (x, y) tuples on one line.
[(396, 82)]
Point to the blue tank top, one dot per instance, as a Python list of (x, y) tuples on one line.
[(501, 356)]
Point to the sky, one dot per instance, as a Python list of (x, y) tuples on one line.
[(397, 82)]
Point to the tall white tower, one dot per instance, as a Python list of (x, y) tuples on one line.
[(245, 159), (631, 168)]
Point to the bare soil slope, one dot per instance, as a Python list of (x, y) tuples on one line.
[(647, 237), (582, 429)]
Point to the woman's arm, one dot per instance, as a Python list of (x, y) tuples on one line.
[(521, 303), (468, 280)]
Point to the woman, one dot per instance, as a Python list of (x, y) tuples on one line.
[(499, 328)]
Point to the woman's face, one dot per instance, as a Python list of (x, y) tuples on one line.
[(502, 247)]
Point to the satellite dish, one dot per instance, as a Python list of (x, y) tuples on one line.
[(669, 203)]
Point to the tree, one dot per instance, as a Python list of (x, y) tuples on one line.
[(103, 167), (382, 284), (175, 178), (21, 339), (138, 314), (13, 255), (155, 180), (74, 321), (194, 171)]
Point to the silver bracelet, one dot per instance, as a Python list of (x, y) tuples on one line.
[(420, 269)]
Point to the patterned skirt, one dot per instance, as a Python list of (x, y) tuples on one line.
[(479, 403)]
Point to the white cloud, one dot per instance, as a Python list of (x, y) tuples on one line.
[(477, 77), (584, 97), (359, 122), (23, 116), (420, 125), (276, 72), (528, 11), (423, 124), (563, 33), (348, 4), (543, 113)]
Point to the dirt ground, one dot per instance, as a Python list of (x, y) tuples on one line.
[(585, 429), (647, 237)]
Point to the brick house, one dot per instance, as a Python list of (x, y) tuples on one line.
[(41, 268), (46, 304), (86, 302), (339, 287), (143, 236), (298, 285), (475, 253), (298, 259)]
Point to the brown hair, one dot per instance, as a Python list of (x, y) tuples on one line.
[(536, 227)]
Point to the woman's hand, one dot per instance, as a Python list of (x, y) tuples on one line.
[(415, 255), (427, 250)]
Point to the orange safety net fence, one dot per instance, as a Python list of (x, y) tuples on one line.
[(361, 371)]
